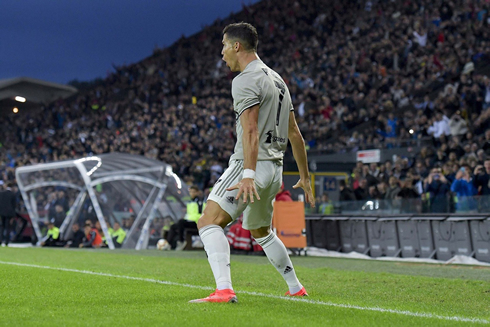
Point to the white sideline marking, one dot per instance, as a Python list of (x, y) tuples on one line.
[(330, 304)]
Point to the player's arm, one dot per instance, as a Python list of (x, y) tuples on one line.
[(299, 153), (249, 121), (250, 139)]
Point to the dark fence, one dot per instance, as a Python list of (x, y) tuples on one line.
[(408, 236)]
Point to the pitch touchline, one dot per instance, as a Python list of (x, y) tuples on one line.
[(337, 305)]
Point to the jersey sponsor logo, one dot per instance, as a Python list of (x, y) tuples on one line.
[(272, 138), (230, 199)]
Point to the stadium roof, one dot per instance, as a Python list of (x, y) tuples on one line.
[(33, 90)]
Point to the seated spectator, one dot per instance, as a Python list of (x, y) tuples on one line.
[(464, 189), (118, 235), (437, 190), (76, 238), (346, 193), (53, 236), (92, 238), (326, 206)]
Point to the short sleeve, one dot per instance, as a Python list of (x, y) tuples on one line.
[(245, 95)]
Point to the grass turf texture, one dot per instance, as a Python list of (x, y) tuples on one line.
[(36, 296)]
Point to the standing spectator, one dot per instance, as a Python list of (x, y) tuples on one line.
[(481, 181), (346, 194), (440, 126), (7, 212), (393, 189), (408, 196), (437, 190), (464, 189), (362, 192)]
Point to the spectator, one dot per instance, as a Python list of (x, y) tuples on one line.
[(362, 192), (440, 126), (437, 190), (346, 194), (464, 189), (393, 189)]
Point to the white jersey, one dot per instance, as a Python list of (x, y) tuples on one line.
[(258, 84)]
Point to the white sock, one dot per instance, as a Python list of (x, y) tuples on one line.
[(278, 256), (218, 251)]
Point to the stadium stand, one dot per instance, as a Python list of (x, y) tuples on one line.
[(362, 75)]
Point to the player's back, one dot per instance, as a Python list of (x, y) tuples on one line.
[(258, 84)]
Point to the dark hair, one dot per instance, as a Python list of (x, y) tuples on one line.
[(194, 187), (244, 33)]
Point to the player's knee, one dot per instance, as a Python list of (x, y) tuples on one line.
[(260, 232), (213, 215)]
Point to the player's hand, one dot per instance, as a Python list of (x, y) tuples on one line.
[(246, 187), (306, 186)]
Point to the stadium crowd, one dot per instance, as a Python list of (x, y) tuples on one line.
[(362, 74)]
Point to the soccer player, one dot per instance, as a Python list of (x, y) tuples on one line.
[(265, 121)]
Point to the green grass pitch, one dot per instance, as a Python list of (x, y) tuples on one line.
[(46, 287)]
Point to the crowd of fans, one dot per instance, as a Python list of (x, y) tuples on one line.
[(432, 182), (362, 74)]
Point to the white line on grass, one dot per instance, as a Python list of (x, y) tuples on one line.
[(330, 304)]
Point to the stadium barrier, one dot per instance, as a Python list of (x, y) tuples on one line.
[(438, 237)]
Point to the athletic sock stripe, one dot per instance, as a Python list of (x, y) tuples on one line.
[(268, 238), (230, 181), (220, 187)]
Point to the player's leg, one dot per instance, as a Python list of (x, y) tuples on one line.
[(278, 256), (220, 210), (258, 219)]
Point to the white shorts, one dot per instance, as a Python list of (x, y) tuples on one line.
[(268, 180)]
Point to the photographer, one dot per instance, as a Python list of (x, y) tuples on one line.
[(437, 189), (464, 189)]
